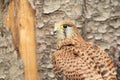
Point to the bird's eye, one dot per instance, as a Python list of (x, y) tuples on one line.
[(65, 26)]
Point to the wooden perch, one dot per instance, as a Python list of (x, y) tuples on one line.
[(20, 19)]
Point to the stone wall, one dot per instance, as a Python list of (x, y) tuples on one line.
[(11, 66)]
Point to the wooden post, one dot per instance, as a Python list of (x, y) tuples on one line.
[(21, 20)]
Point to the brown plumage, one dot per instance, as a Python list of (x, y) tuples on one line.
[(76, 59)]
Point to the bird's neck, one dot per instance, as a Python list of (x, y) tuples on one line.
[(77, 40)]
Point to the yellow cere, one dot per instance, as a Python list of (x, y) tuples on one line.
[(58, 27)]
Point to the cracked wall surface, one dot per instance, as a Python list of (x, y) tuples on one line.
[(97, 20), (11, 66)]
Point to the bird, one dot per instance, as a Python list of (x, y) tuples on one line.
[(77, 59)]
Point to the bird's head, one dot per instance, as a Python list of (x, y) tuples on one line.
[(65, 30)]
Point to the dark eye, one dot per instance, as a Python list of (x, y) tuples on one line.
[(65, 26)]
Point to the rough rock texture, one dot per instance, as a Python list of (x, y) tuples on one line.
[(98, 21), (11, 66)]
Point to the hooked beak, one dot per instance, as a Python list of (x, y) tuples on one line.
[(54, 31)]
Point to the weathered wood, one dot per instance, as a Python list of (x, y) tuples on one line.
[(21, 20)]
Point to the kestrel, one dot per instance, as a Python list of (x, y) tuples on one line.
[(76, 59)]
